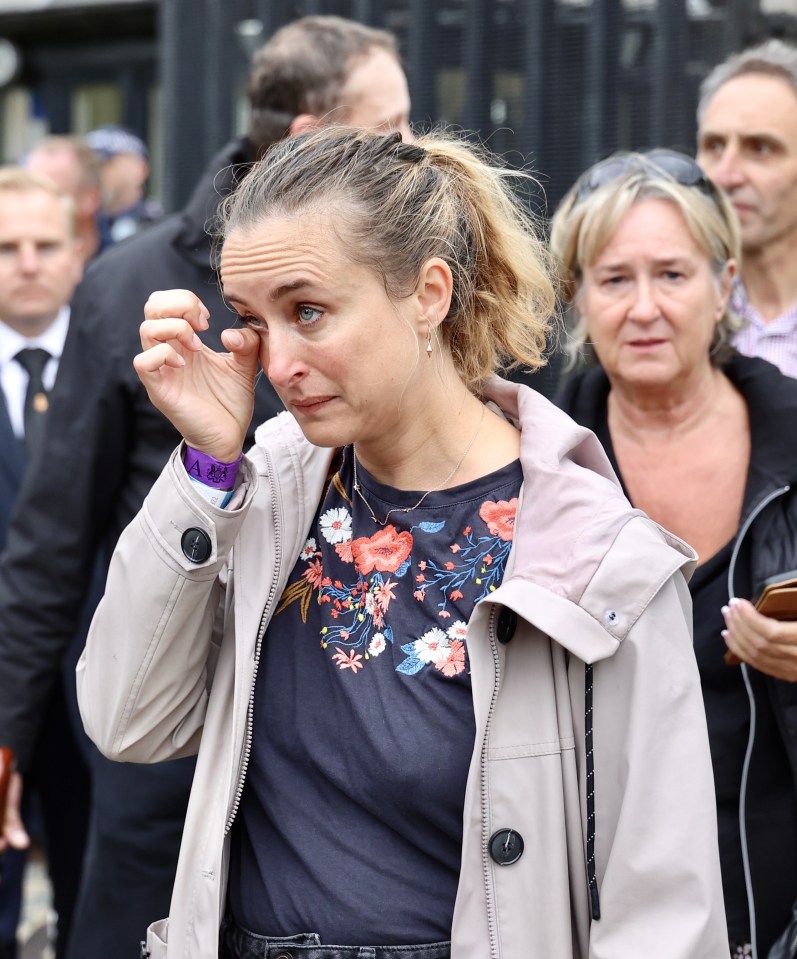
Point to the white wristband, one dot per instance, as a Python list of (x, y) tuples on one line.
[(216, 497)]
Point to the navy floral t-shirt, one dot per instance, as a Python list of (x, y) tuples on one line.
[(351, 820)]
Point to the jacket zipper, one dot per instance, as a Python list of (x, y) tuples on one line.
[(760, 506), (488, 887), (247, 751)]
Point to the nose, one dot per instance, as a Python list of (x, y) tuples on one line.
[(725, 168), (281, 358), (28, 258), (644, 306)]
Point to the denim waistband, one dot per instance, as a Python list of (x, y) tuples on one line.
[(238, 943)]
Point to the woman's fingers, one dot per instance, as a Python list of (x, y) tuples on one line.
[(153, 332), (242, 343), (156, 357), (163, 304), (765, 643)]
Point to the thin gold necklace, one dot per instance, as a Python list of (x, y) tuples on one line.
[(409, 509)]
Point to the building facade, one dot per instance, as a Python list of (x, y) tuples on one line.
[(552, 84)]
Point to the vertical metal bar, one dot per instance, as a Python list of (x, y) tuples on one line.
[(478, 62), (670, 123), (363, 12), (602, 79), (420, 61), (197, 90), (54, 96), (224, 66), (135, 83), (266, 14), (542, 108)]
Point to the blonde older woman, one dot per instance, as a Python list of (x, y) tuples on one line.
[(698, 436)]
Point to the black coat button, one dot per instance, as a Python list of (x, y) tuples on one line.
[(507, 624), (196, 545), (506, 847)]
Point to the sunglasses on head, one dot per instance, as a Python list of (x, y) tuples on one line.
[(675, 166)]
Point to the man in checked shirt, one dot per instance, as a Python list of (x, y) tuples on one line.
[(747, 144)]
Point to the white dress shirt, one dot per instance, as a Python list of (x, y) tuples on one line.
[(13, 379)]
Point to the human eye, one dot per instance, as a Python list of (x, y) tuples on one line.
[(307, 315), (253, 322), (711, 146), (761, 148)]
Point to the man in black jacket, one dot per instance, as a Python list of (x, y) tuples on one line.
[(105, 444)]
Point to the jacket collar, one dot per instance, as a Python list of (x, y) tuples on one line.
[(585, 562), (771, 399)]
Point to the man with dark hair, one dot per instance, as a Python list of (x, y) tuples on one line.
[(353, 76), (747, 144), (105, 444)]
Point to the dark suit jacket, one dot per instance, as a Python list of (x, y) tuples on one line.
[(104, 446), (12, 469)]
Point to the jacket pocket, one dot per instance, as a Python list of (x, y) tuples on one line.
[(158, 938)]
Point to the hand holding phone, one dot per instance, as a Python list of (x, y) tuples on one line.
[(778, 598)]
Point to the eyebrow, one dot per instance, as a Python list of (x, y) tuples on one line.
[(290, 287), (284, 288), (622, 264), (745, 136)]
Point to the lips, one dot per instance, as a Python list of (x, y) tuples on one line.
[(743, 207), (311, 404), (648, 343)]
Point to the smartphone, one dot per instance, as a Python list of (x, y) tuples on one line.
[(778, 598)]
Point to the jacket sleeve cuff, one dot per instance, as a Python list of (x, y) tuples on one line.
[(193, 534)]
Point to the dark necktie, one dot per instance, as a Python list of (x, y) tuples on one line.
[(33, 362)]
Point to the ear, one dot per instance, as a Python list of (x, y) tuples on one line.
[(302, 123), (78, 259), (434, 289), (88, 202), (726, 287)]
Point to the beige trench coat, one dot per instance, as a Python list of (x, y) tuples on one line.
[(171, 658)]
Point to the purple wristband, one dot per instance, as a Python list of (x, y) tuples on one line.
[(212, 472)]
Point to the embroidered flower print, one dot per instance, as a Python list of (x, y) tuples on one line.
[(367, 575), (442, 649), (335, 525), (478, 560), (500, 518)]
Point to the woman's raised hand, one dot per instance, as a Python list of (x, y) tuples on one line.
[(207, 396)]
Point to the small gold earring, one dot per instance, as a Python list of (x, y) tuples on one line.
[(429, 344)]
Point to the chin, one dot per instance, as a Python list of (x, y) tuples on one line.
[(327, 437)]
